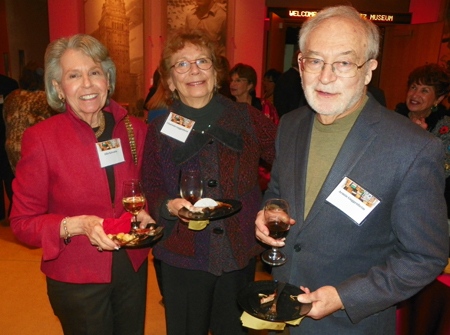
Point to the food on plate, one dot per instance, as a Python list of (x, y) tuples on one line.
[(123, 238), (264, 298), (207, 204)]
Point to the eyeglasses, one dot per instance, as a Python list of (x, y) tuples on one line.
[(185, 65), (238, 80), (341, 69)]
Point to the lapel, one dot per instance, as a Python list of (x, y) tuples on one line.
[(301, 150), (358, 140)]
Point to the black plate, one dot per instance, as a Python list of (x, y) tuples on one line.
[(144, 240), (288, 309), (214, 214)]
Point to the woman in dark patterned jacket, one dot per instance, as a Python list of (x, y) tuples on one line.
[(203, 270)]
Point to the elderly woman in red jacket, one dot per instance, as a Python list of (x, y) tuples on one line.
[(203, 270), (67, 197)]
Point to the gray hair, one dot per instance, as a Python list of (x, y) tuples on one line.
[(90, 47), (370, 30)]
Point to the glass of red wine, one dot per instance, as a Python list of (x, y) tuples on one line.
[(276, 214), (191, 186), (133, 199)]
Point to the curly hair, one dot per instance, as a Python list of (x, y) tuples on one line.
[(431, 75), (176, 42), (81, 42)]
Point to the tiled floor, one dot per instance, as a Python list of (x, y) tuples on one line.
[(24, 306)]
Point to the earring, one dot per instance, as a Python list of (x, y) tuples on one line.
[(174, 95), (434, 108)]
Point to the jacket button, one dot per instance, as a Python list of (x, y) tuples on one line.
[(218, 231), (213, 183), (297, 247)]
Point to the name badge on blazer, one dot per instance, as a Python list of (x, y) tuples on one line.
[(178, 127), (110, 152), (352, 199)]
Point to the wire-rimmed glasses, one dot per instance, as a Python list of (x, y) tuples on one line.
[(184, 66), (341, 69)]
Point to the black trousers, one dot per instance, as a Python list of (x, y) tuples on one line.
[(103, 309), (198, 301)]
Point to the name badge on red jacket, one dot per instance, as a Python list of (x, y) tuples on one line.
[(110, 152)]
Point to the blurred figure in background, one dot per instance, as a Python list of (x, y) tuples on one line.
[(24, 108), (270, 78), (242, 86), (288, 93), (7, 85), (243, 81), (428, 85)]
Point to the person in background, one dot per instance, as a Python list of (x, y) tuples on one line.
[(243, 81), (159, 101), (270, 78), (67, 197), (153, 88), (203, 270), (288, 92), (243, 88), (428, 85), (24, 108), (365, 187), (7, 85), (224, 86)]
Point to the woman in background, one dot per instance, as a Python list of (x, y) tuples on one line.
[(428, 85), (243, 88), (270, 78)]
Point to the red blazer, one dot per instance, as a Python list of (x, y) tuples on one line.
[(59, 175)]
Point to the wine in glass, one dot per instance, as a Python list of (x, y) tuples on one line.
[(191, 186), (133, 199), (276, 214)]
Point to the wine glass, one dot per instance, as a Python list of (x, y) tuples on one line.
[(191, 186), (276, 214), (133, 199)]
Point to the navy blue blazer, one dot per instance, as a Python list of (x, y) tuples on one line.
[(401, 246)]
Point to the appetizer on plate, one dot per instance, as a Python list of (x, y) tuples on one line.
[(207, 204)]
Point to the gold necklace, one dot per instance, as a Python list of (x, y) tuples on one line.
[(102, 125)]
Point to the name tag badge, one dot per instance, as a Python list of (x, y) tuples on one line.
[(177, 127), (353, 200), (110, 152)]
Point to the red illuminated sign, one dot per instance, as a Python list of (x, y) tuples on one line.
[(376, 17)]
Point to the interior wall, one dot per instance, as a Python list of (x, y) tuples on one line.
[(65, 17), (248, 39), (425, 12), (28, 30), (4, 45)]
